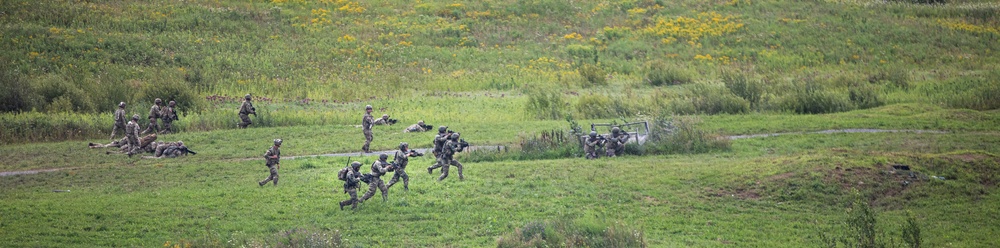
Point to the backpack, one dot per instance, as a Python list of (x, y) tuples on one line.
[(342, 174)]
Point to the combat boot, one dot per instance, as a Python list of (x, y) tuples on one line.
[(341, 206), (430, 170)]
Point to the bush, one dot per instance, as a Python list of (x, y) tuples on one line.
[(707, 99), (170, 90), (897, 76), (865, 96), (659, 73), (545, 103), (16, 94), (593, 106), (861, 229), (53, 87), (594, 75), (745, 86), (811, 98), (670, 135), (575, 234), (979, 93)]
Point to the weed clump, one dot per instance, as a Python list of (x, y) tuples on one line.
[(811, 98), (745, 86), (545, 103), (672, 135), (861, 229), (573, 234), (659, 73), (594, 75)]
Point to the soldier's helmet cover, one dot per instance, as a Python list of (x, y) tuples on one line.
[(368, 106), (454, 136), (385, 116), (615, 130), (593, 133), (135, 117), (121, 104), (180, 143), (247, 97), (158, 101), (421, 122), (442, 129), (172, 103), (355, 164), (403, 145), (383, 157), (277, 142)]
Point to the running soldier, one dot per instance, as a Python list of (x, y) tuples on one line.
[(271, 157), (132, 135), (169, 115), (246, 110), (120, 120), (451, 147), (154, 113), (419, 127), (366, 126), (591, 144), (439, 140), (379, 168), (399, 164), (352, 181)]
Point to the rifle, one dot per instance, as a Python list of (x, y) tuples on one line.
[(414, 153), (253, 111), (427, 127), (185, 149), (391, 121), (367, 178)]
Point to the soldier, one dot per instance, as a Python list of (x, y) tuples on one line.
[(591, 144), (419, 127), (120, 120), (384, 120), (447, 160), (172, 150), (439, 140), (352, 181), (399, 163), (154, 113), (246, 110), (271, 158), (169, 115), (379, 168), (616, 144), (366, 126), (132, 135)]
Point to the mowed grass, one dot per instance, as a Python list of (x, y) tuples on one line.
[(676, 200)]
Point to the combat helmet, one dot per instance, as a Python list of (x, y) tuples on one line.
[(615, 130), (442, 129), (135, 117), (121, 104), (367, 107), (420, 122), (158, 101), (403, 146), (385, 116), (383, 157), (172, 103), (247, 97), (277, 142), (454, 136), (356, 164), (593, 133)]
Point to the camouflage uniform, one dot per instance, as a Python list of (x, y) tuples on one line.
[(154, 113), (439, 140), (382, 121), (132, 134), (448, 157), (399, 163), (590, 145), (379, 168), (120, 120), (169, 115), (419, 127), (171, 150), (618, 138), (245, 111), (351, 186), (271, 157), (366, 126)]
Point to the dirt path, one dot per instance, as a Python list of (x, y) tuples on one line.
[(500, 148)]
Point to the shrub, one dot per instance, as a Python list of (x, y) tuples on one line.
[(16, 94), (53, 87), (865, 96), (897, 76), (170, 90), (745, 86), (861, 229), (544, 103), (811, 98), (582, 53), (594, 75), (592, 106), (659, 73), (670, 135), (714, 100)]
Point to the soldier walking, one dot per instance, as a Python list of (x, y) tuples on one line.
[(120, 120), (154, 113), (271, 157), (379, 168), (366, 126), (352, 181), (169, 115), (399, 164), (132, 135), (439, 140), (246, 110)]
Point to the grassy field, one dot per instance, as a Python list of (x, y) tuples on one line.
[(506, 72)]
